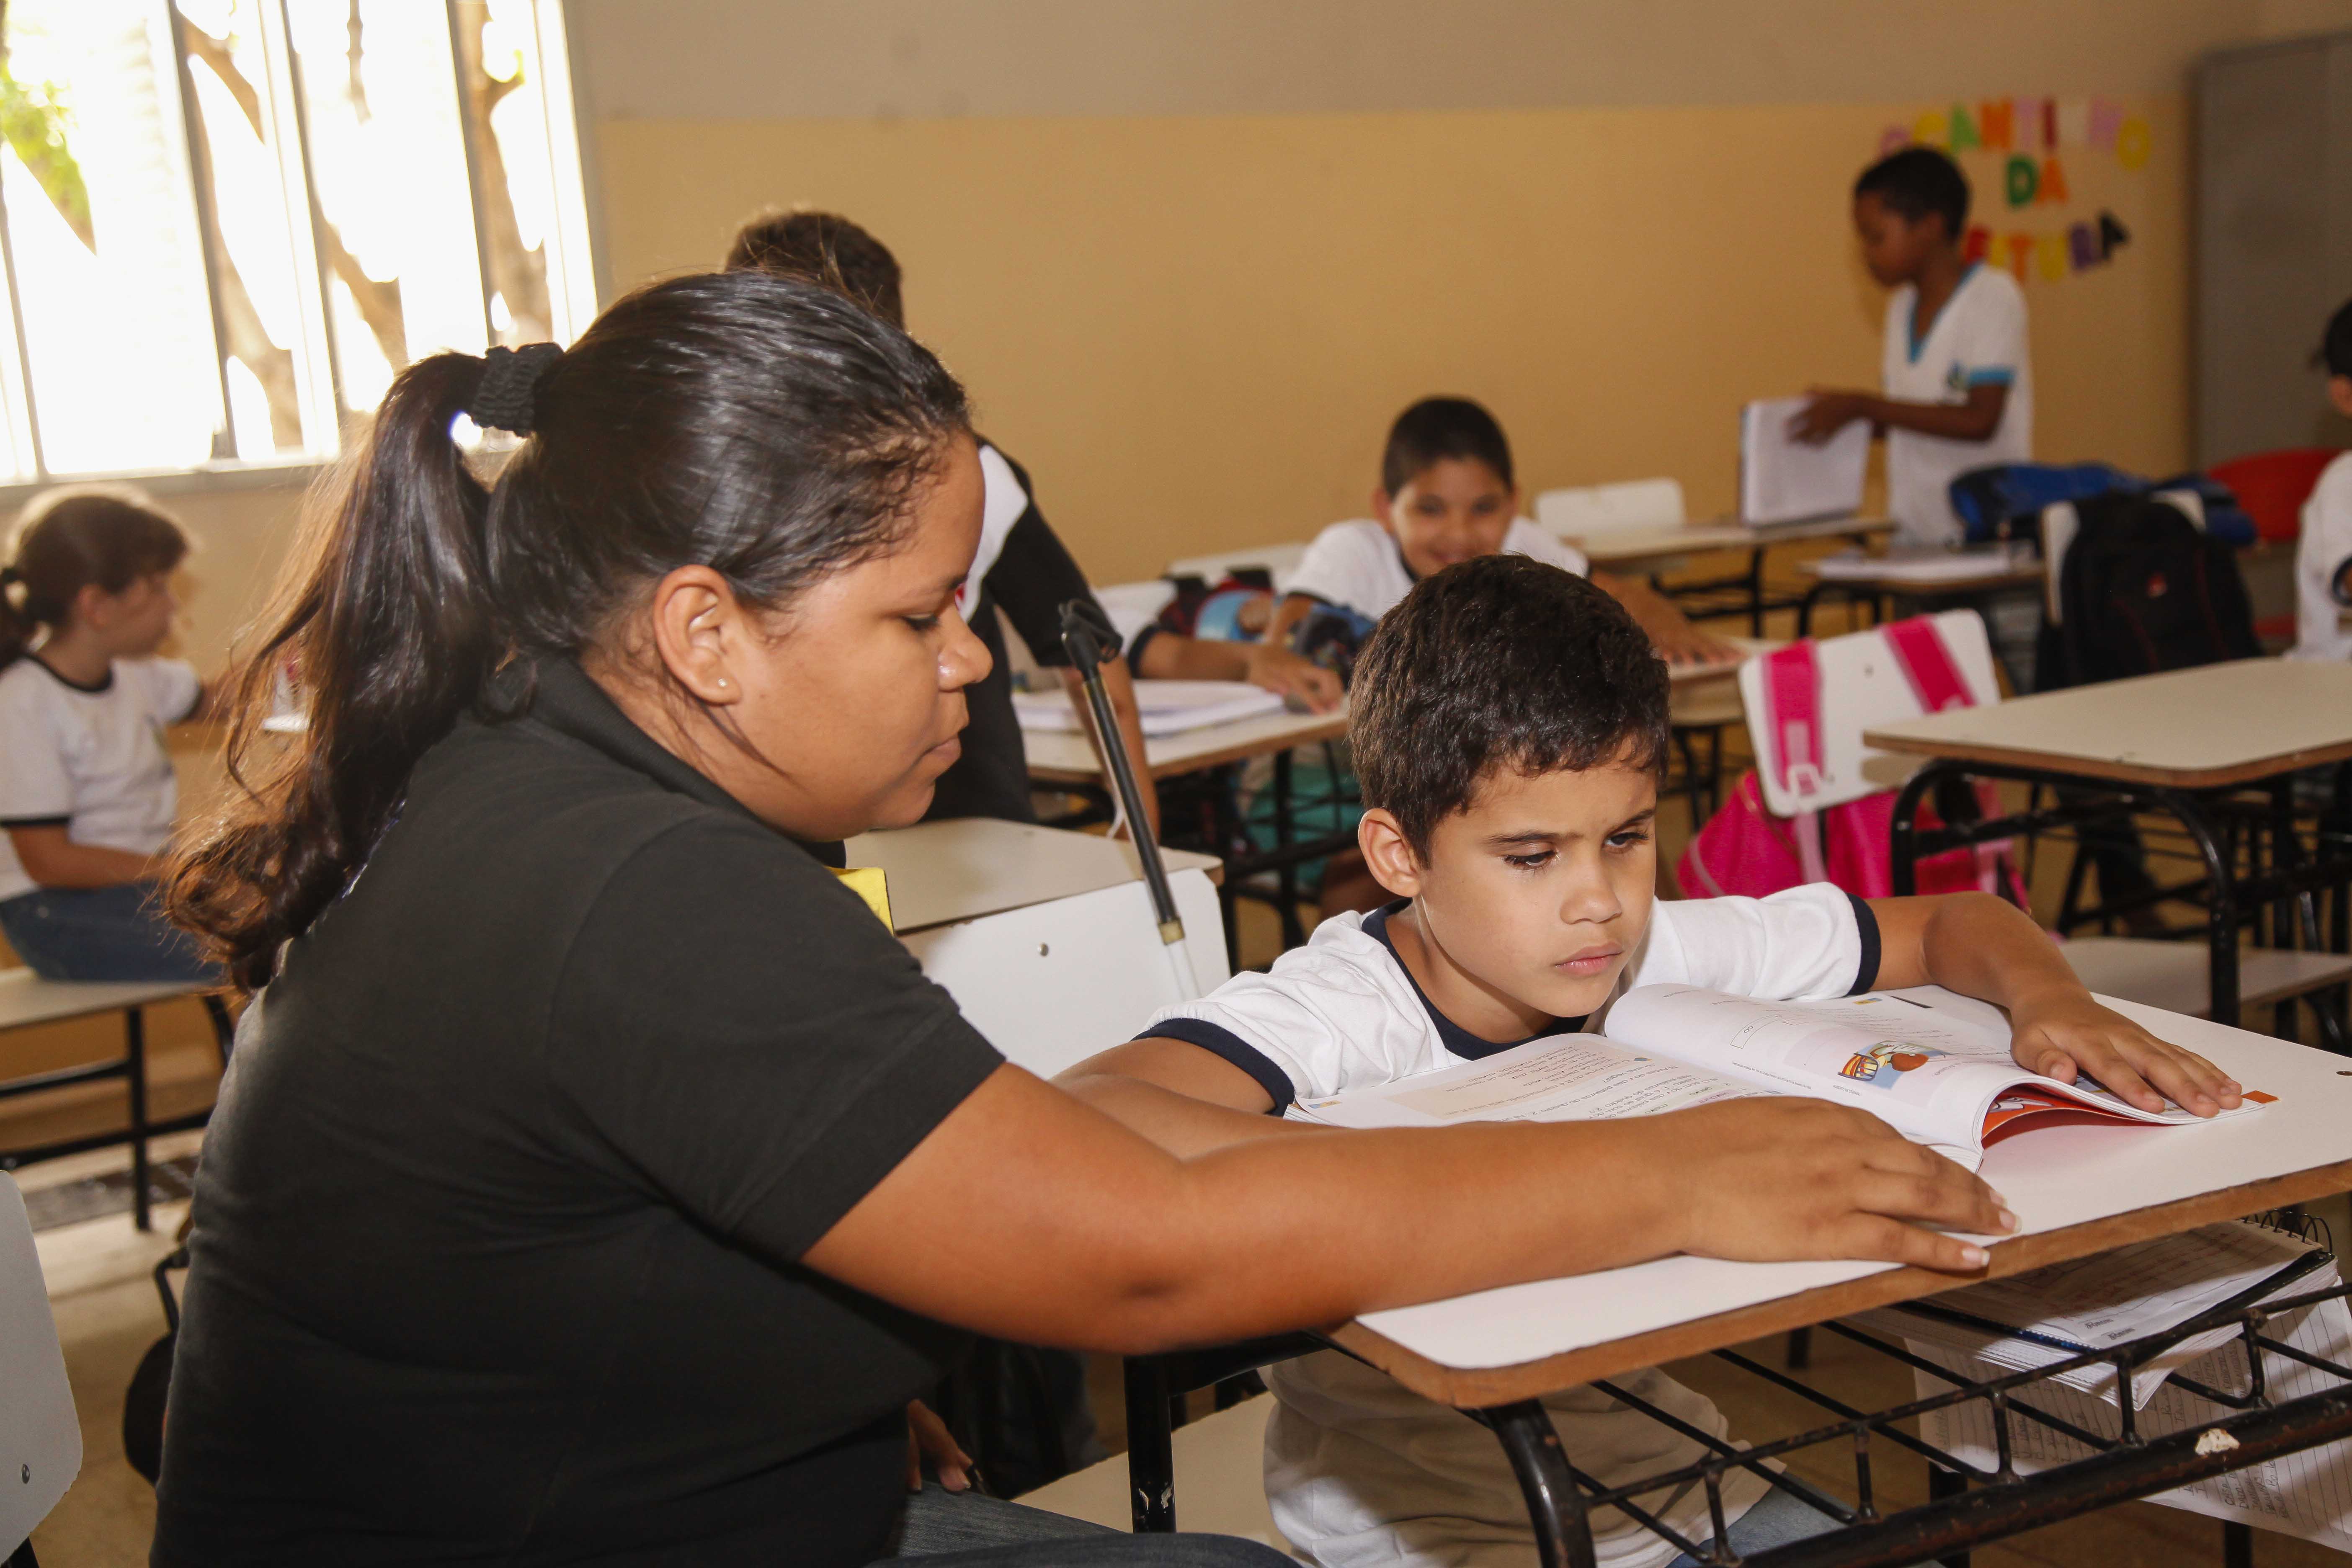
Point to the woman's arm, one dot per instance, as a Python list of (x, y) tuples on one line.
[(1170, 657), (53, 861), (1983, 946), (1119, 686), (1147, 1250)]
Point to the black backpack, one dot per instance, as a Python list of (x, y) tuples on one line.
[(2141, 589)]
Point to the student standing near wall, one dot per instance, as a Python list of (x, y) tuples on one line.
[(1955, 378), (642, 1178)]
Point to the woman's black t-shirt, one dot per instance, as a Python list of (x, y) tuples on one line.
[(496, 1224)]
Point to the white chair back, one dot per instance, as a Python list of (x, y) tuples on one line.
[(1052, 983), (40, 1437), (1862, 685), (1588, 510), (1279, 559), (1132, 607)]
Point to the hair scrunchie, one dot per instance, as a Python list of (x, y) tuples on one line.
[(505, 398)]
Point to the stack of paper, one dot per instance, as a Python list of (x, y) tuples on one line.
[(1920, 566), (1169, 707), (2097, 1302), (1782, 480)]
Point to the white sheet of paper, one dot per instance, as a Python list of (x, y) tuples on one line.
[(1165, 707), (1781, 479)]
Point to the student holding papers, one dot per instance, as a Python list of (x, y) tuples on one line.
[(1509, 726), (1956, 379)]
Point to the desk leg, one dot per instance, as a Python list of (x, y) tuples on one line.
[(2222, 928), (1903, 846), (134, 1039), (1941, 1484), (1755, 592), (1150, 1447), (2237, 1545), (1294, 934), (1563, 1538)]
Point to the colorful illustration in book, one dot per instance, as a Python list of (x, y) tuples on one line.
[(1884, 1065)]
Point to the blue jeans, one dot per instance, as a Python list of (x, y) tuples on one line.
[(964, 1529), (1776, 1519), (101, 933)]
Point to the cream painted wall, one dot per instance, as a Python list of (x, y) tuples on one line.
[(1194, 329)]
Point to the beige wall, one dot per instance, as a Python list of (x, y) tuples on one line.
[(1195, 328)]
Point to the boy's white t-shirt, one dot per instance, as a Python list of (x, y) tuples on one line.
[(2320, 558), (1977, 339), (91, 761), (1359, 1471), (1358, 566)]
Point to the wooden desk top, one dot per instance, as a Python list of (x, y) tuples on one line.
[(2217, 725), (2076, 1191), (1620, 547), (1068, 757), (962, 867)]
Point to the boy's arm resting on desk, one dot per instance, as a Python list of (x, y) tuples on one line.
[(1148, 1249), (1670, 631), (1828, 412), (53, 861), (1269, 663), (1983, 946)]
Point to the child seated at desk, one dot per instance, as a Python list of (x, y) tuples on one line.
[(2323, 556), (1447, 493), (87, 794), (1509, 724)]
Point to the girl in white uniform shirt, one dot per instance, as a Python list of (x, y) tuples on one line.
[(87, 794), (1957, 384)]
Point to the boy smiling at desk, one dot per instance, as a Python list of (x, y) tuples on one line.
[(1509, 728)]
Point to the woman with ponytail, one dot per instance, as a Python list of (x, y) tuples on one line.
[(596, 1180), (87, 794)]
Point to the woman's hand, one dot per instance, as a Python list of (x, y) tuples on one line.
[(929, 1442), (1278, 669), (2065, 1034), (1827, 412), (1774, 1177)]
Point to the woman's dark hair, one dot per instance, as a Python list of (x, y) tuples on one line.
[(1501, 662), (1437, 428), (68, 540), (1918, 181), (826, 248), (765, 428)]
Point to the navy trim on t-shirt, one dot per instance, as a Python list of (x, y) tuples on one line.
[(103, 685), (2339, 582), (1220, 1041), (1866, 920), (1452, 1035), (36, 821)]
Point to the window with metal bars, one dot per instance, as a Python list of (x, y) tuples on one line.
[(225, 224)]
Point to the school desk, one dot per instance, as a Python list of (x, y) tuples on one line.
[(1653, 549), (2076, 1191), (1045, 938), (1910, 595), (2214, 747)]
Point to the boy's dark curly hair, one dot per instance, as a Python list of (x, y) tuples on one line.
[(1499, 662)]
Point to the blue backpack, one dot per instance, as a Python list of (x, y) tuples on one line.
[(2005, 500)]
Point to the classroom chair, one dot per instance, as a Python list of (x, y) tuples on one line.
[(26, 1000), (1583, 510), (40, 1434)]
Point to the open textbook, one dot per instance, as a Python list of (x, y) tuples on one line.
[(1933, 1066)]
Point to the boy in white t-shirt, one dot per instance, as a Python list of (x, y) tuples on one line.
[(1447, 493), (1955, 378), (2323, 556), (87, 794), (1509, 726)]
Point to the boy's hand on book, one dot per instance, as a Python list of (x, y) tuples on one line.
[(1776, 1177), (2069, 1035)]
